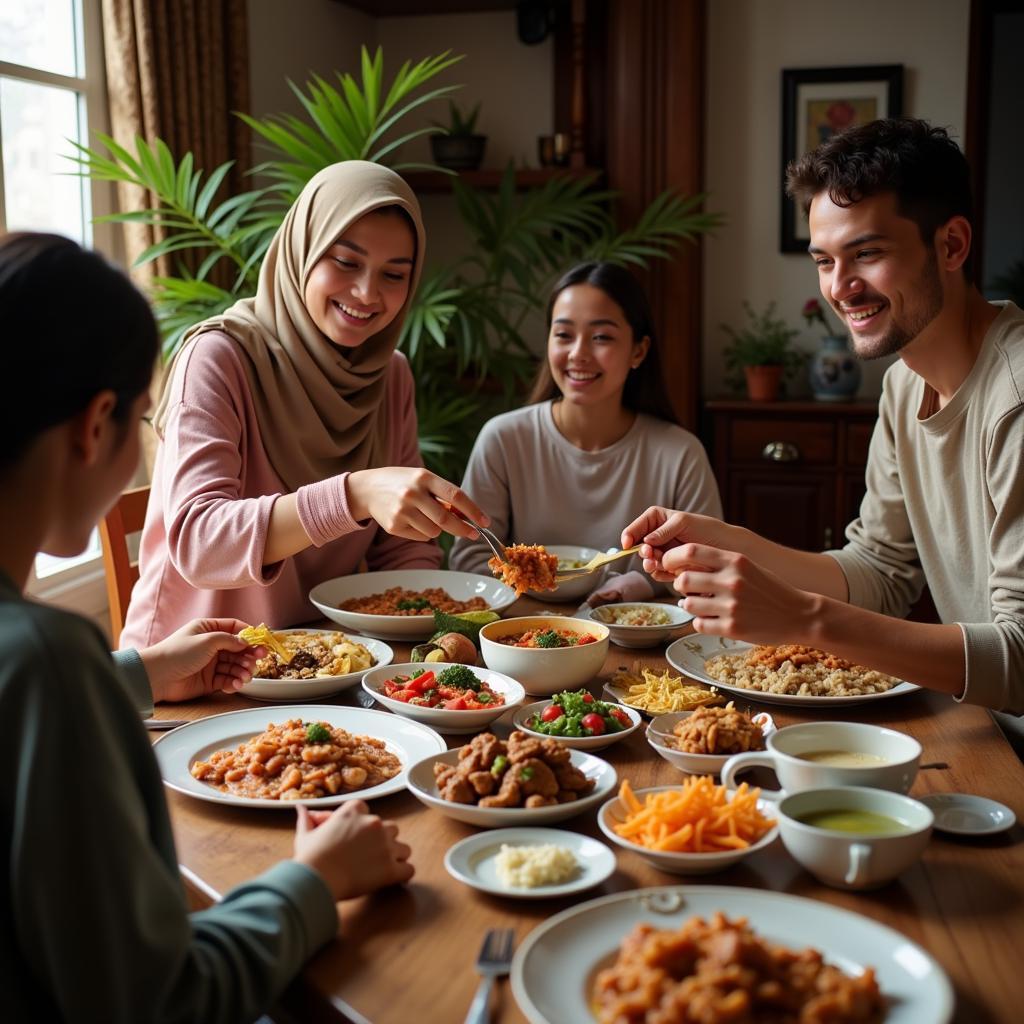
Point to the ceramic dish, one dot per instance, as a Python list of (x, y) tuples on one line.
[(613, 813), (571, 590), (689, 654), (440, 718), (620, 695), (544, 671), (176, 750), (964, 814), (555, 965), (423, 787), (695, 764), (640, 636), (285, 690), (462, 586), (527, 711), (473, 861)]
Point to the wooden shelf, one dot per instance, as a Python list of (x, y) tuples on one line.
[(490, 178)]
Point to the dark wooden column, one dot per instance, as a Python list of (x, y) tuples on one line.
[(655, 140)]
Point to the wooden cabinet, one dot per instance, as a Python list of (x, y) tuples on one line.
[(791, 471)]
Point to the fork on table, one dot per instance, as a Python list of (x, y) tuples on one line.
[(494, 961)]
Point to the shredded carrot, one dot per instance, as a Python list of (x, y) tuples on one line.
[(699, 817)]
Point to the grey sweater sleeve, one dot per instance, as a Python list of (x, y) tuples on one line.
[(99, 916)]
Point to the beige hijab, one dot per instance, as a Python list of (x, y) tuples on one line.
[(319, 407)]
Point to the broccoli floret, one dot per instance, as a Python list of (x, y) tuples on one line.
[(412, 604), (317, 733), (458, 677), (549, 638)]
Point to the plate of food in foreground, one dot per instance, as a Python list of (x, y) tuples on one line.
[(320, 662), (578, 719), (527, 780), (784, 674), (530, 863), (592, 961), (261, 757), (658, 693), (692, 829), (399, 604), (640, 623), (701, 741), (449, 698)]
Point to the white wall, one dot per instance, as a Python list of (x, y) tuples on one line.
[(749, 43)]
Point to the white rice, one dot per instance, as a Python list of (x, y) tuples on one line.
[(526, 867)]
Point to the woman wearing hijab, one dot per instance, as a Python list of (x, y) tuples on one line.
[(289, 445)]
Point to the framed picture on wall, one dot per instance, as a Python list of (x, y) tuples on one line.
[(816, 103)]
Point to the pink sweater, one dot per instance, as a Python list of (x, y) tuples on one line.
[(213, 490)]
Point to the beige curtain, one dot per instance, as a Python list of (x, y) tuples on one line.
[(176, 69)]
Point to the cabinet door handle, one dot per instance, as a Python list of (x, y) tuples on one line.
[(780, 451)]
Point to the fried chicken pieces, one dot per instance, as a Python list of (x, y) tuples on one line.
[(527, 771)]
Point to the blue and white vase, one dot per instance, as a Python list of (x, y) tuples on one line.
[(834, 371)]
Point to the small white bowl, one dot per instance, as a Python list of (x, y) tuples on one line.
[(544, 671), (613, 813), (640, 636), (424, 788), (694, 764), (527, 711), (443, 719), (571, 590)]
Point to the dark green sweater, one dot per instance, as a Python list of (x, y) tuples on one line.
[(95, 924)]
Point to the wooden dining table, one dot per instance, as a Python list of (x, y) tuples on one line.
[(406, 955)]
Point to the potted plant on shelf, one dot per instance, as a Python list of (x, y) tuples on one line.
[(762, 350), (834, 371), (457, 146)]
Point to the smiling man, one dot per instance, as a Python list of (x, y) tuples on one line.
[(890, 225)]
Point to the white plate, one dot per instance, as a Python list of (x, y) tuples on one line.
[(556, 964), (641, 636), (284, 690), (614, 813), (178, 749), (423, 787), (695, 764), (689, 654), (460, 585), (619, 694), (525, 713), (474, 861), (964, 814), (441, 718)]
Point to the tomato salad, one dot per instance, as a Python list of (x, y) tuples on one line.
[(579, 714), (454, 689)]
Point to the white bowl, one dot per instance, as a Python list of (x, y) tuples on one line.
[(527, 711), (571, 590), (695, 764), (424, 788), (613, 813), (641, 636), (441, 718), (460, 585), (544, 671), (284, 690)]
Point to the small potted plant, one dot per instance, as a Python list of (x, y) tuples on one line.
[(834, 371), (762, 350), (457, 146)]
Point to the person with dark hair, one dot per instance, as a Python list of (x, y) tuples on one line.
[(598, 441), (890, 234), (289, 449), (95, 924)]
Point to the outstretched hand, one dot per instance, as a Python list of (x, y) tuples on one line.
[(202, 657), (660, 530)]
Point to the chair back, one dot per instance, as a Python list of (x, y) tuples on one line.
[(124, 519)]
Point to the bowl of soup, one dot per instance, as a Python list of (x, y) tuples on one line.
[(546, 653), (854, 837)]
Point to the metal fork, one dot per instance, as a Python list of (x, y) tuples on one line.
[(494, 961), (489, 538)]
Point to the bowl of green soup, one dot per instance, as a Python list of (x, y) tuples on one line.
[(854, 837)]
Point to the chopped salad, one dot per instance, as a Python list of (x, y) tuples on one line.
[(453, 689), (578, 713)]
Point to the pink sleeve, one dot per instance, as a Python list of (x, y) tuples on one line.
[(215, 536), (387, 552)]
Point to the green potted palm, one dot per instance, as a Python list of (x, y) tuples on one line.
[(761, 353), (457, 146)]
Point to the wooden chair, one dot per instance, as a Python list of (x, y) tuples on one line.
[(124, 519)]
